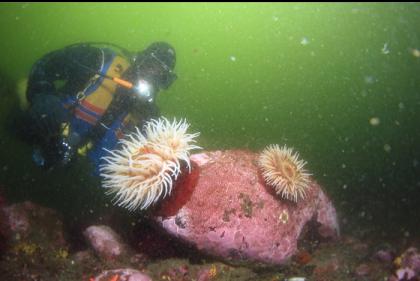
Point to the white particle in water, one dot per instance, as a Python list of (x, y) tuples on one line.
[(374, 121), (385, 49), (304, 41), (415, 52), (369, 79), (401, 106)]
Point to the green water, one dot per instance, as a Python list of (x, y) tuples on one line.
[(311, 76)]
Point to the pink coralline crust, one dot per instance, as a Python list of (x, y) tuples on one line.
[(17, 218), (104, 241), (4, 223), (411, 259), (28, 219), (232, 214)]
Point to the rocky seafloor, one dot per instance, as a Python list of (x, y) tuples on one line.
[(221, 225), (35, 245)]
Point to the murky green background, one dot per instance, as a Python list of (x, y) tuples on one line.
[(338, 82)]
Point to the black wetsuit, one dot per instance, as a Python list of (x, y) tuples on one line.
[(61, 75)]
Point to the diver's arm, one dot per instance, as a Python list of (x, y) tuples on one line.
[(46, 114), (79, 61)]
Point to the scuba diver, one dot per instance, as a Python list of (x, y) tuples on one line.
[(85, 97)]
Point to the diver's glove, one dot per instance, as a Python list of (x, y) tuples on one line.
[(68, 147), (46, 115), (56, 152)]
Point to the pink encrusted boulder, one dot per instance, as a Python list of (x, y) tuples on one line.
[(225, 209)]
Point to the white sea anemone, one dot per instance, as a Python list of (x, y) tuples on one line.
[(142, 171), (282, 169)]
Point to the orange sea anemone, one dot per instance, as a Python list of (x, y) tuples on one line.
[(142, 171), (282, 169)]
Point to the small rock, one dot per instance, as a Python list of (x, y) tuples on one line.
[(204, 274), (362, 270), (392, 278), (411, 259), (295, 279), (82, 256), (384, 256), (123, 274), (360, 247), (405, 274), (104, 241), (327, 268)]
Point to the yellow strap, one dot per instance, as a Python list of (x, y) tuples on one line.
[(103, 95)]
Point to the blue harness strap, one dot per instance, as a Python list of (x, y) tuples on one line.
[(109, 141), (84, 118)]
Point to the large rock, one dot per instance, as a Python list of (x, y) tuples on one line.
[(225, 209)]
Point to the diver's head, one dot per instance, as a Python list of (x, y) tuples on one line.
[(157, 64), (152, 69)]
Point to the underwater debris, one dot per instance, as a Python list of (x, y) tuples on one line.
[(374, 121), (304, 41), (385, 49)]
